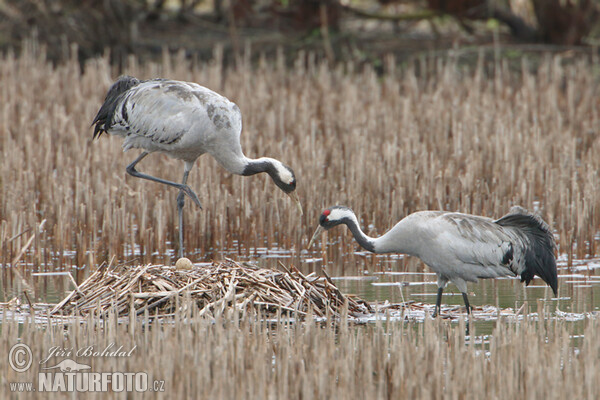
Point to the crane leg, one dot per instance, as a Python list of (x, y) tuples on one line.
[(466, 299), (180, 204), (438, 302), (184, 188)]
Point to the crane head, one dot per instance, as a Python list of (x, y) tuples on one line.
[(331, 217), (282, 175), (284, 178)]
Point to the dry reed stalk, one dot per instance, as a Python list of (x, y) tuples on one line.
[(429, 136), (157, 288), (249, 358)]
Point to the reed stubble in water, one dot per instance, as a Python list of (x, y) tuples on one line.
[(474, 142), (233, 358)]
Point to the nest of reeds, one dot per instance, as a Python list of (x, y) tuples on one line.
[(159, 289)]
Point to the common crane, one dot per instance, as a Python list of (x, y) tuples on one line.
[(462, 248), (182, 120)]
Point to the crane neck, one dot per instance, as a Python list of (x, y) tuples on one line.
[(256, 166), (366, 242), (282, 175), (402, 238), (238, 164), (234, 161)]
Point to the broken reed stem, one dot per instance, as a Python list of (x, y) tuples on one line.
[(226, 284)]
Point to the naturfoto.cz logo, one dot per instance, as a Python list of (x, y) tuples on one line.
[(69, 375)]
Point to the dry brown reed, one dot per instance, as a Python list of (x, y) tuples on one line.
[(430, 135), (233, 358), (158, 289)]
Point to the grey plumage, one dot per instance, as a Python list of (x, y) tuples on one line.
[(463, 248), (183, 120)]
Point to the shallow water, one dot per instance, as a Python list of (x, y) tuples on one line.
[(399, 278), (380, 278)]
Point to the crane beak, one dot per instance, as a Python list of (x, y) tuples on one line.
[(294, 196), (319, 230)]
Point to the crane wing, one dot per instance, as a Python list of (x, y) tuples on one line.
[(479, 242)]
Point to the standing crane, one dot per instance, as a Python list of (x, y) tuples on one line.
[(182, 120), (460, 247)]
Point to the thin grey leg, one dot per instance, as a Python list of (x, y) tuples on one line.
[(438, 302), (180, 204), (466, 299), (184, 188)]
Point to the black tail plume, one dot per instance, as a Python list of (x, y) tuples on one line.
[(104, 116), (539, 252)]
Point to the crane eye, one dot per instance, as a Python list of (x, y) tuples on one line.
[(323, 218)]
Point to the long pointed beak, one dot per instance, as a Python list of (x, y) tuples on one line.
[(319, 230), (294, 196)]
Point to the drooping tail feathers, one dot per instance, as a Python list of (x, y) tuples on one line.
[(106, 112), (539, 252)]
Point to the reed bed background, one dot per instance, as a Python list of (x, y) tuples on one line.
[(232, 358), (429, 135)]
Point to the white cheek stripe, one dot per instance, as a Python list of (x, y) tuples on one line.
[(337, 214), (285, 175)]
